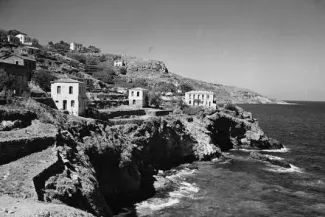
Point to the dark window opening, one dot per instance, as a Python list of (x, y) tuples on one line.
[(58, 89), (70, 90)]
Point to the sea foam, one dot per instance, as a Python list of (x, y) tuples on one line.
[(183, 190), (279, 169)]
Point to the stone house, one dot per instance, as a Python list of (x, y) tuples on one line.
[(200, 98), (75, 46), (119, 63), (29, 50), (16, 59), (22, 76), (13, 39), (69, 95), (24, 39), (138, 97)]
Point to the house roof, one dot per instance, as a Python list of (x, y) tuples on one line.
[(19, 56), (200, 92), (21, 34), (138, 88), (35, 48), (66, 80)]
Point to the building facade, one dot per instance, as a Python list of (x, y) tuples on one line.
[(13, 39), (119, 63), (69, 95), (27, 62), (200, 98), (138, 97), (21, 74), (75, 46), (29, 50), (24, 39)]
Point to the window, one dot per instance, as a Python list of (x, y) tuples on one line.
[(56, 101), (132, 93), (133, 102), (190, 102), (189, 95), (208, 96), (64, 104), (138, 93), (16, 62), (72, 103), (71, 90), (58, 89), (202, 96)]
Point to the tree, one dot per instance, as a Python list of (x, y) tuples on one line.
[(3, 35), (185, 87), (14, 32), (51, 43), (62, 47), (35, 43), (123, 70), (43, 79), (93, 49), (154, 99), (7, 84), (104, 76), (166, 87)]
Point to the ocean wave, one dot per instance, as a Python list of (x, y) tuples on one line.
[(312, 183), (281, 150), (272, 157), (278, 169), (183, 190)]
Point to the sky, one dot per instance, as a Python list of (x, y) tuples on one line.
[(274, 47)]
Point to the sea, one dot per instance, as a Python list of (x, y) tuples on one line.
[(246, 187)]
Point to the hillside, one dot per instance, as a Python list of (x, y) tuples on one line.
[(98, 70)]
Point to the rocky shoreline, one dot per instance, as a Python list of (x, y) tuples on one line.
[(101, 169)]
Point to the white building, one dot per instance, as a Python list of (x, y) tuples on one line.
[(13, 39), (75, 46), (119, 63), (138, 97), (200, 98), (24, 39), (69, 95)]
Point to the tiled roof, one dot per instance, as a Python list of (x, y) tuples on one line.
[(19, 56), (138, 88), (200, 92), (66, 80)]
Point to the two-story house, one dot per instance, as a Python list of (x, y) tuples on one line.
[(119, 63), (200, 98), (13, 39), (27, 62), (75, 46), (138, 97), (69, 95), (24, 39), (21, 74)]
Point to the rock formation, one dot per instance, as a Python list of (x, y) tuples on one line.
[(100, 169)]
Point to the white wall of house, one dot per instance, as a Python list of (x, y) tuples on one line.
[(70, 97), (75, 46), (137, 97), (24, 39), (118, 63), (200, 98)]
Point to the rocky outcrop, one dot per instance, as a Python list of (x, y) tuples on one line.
[(101, 168), (138, 64)]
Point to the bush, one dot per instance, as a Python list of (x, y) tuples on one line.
[(43, 79), (154, 99), (197, 110), (123, 70)]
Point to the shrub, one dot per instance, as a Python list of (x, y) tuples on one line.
[(185, 87), (43, 79), (123, 70), (154, 99), (196, 110)]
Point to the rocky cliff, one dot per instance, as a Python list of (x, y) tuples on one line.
[(100, 169)]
